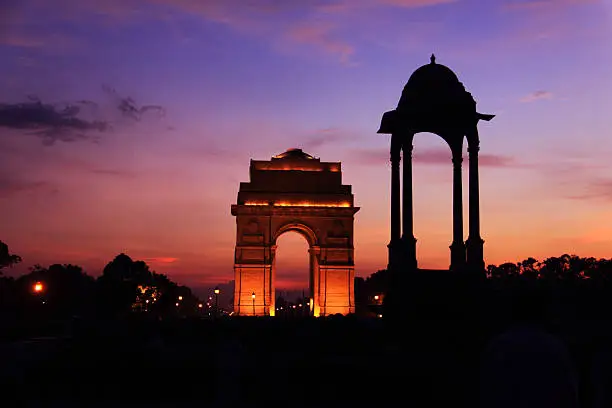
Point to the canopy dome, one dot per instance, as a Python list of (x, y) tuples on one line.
[(431, 81), (431, 74)]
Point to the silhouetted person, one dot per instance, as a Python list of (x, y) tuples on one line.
[(527, 367), (601, 379)]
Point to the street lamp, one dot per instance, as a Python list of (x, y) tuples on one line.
[(253, 297), (217, 291), (38, 287), (376, 297), (180, 298)]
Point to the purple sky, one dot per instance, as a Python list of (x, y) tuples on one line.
[(231, 80)]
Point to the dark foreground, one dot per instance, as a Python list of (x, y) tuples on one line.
[(336, 361)]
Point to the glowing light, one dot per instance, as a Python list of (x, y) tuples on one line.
[(176, 304), (253, 296), (180, 298), (298, 204), (296, 168), (147, 301), (217, 291), (38, 287), (309, 204), (380, 316), (200, 305), (376, 297)]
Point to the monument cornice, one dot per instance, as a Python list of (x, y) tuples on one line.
[(300, 211)]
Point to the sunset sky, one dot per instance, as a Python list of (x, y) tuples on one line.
[(224, 81)]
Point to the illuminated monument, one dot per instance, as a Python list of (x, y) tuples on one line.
[(434, 101), (294, 192)]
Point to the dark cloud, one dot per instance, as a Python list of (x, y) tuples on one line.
[(68, 122), (129, 108), (50, 122)]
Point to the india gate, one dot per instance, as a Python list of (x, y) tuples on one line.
[(294, 191)]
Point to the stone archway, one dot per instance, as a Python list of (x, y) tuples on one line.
[(294, 192)]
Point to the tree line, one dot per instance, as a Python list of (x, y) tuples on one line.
[(66, 290)]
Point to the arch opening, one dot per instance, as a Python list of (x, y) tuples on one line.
[(432, 183), (293, 271)]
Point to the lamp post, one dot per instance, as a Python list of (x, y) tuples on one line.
[(38, 288), (217, 291), (253, 297)]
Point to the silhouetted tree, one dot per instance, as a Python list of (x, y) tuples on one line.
[(7, 259), (118, 286), (66, 289), (127, 285)]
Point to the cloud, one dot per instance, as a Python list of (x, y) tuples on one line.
[(536, 96), (343, 6), (494, 160), (160, 260), (50, 42), (305, 22), (326, 136), (113, 172), (65, 122), (413, 3), (600, 190), (541, 4), (319, 34), (128, 107), (50, 122), (433, 156), (9, 186)]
